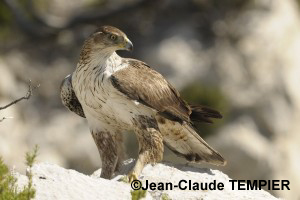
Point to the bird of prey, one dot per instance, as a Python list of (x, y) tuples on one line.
[(118, 94)]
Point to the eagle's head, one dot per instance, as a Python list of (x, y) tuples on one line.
[(109, 39)]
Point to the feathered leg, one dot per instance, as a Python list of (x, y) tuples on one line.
[(151, 146), (108, 147), (120, 151)]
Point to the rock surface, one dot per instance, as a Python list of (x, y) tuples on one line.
[(54, 182)]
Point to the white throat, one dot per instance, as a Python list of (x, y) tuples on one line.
[(105, 62), (99, 63), (97, 68)]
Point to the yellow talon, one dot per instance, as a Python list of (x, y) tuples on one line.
[(132, 176)]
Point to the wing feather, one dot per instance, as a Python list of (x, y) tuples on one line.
[(68, 97), (143, 84)]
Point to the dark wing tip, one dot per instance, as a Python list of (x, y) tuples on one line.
[(203, 114), (212, 113)]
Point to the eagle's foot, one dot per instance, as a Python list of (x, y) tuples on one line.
[(128, 178), (132, 176)]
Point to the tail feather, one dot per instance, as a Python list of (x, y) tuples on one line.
[(203, 114), (184, 141)]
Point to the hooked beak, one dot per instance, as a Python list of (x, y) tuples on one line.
[(128, 45)]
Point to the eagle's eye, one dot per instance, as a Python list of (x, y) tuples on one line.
[(113, 37)]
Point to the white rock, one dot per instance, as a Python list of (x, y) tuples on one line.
[(54, 182)]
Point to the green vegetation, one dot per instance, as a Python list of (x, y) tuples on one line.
[(8, 186), (165, 196), (138, 194), (5, 21)]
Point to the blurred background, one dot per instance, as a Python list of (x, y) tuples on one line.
[(238, 56)]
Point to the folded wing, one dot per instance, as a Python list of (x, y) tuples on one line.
[(68, 96), (141, 83)]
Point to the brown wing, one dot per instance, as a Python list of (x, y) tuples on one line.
[(143, 84)]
